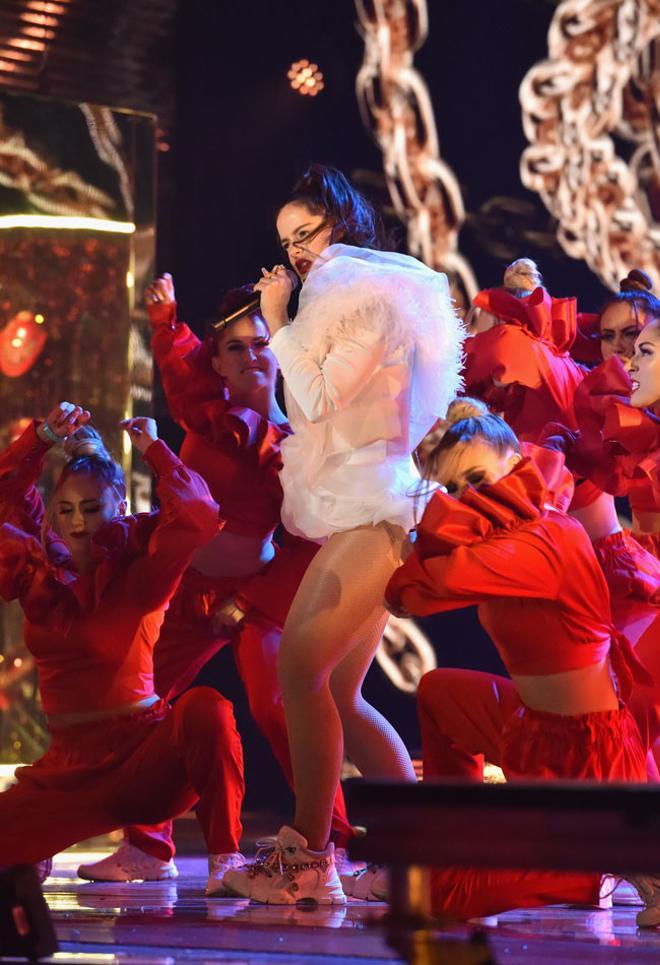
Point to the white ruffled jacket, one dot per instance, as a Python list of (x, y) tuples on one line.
[(371, 360)]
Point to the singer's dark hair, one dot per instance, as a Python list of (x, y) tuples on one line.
[(326, 191)]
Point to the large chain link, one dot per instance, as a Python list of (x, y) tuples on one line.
[(49, 188), (601, 77), (396, 108)]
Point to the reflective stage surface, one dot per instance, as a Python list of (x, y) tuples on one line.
[(165, 922)]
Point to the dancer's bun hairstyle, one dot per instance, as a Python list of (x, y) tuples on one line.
[(86, 454), (522, 276), (636, 281)]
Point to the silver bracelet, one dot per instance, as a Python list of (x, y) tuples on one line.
[(48, 432)]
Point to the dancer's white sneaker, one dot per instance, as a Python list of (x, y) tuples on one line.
[(128, 863), (287, 872), (219, 865), (370, 884), (345, 867)]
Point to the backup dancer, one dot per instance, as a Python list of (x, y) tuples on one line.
[(370, 360), (492, 539), (614, 329), (518, 363), (94, 585), (618, 446), (239, 586)]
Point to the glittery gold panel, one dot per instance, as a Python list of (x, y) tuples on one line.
[(76, 251)]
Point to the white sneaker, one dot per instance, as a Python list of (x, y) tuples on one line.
[(219, 865), (345, 867), (286, 872), (625, 894), (370, 884), (128, 863)]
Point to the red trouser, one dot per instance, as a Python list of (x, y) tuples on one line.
[(187, 642), (148, 766), (465, 715)]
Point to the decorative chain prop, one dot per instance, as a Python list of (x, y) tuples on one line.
[(601, 81), (47, 187), (396, 108)]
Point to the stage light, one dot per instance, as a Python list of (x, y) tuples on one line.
[(61, 222), (306, 78)]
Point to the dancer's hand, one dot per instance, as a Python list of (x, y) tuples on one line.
[(142, 432), (161, 291), (276, 288), (228, 615), (61, 421)]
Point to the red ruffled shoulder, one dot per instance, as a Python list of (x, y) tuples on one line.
[(114, 546), (553, 320), (607, 419), (587, 345), (516, 499), (504, 354), (618, 443), (243, 428)]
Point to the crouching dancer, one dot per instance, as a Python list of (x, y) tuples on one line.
[(494, 539), (94, 585)]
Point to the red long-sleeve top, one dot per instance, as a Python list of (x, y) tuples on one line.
[(530, 569), (92, 635), (522, 368), (617, 446), (236, 450), (527, 355)]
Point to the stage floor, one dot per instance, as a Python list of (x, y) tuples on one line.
[(167, 922)]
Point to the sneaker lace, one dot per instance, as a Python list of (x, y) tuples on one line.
[(269, 856), (270, 860)]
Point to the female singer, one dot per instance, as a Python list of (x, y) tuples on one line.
[(94, 585), (369, 362), (239, 586), (492, 538)]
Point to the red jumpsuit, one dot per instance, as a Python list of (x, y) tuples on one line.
[(540, 592), (92, 636), (237, 452), (540, 384)]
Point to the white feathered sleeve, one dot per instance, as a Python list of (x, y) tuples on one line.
[(323, 388), (358, 306)]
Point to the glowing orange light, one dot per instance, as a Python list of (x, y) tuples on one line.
[(306, 78), (39, 319)]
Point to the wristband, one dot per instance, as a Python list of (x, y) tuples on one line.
[(48, 432)]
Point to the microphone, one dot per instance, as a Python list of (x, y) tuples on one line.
[(250, 307)]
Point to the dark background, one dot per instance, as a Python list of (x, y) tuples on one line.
[(233, 136)]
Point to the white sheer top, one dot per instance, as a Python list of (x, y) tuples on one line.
[(371, 360)]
